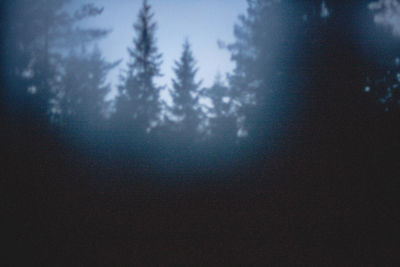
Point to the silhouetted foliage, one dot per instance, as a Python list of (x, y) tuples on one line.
[(223, 115), (292, 70), (185, 94), (138, 101), (204, 183), (382, 79), (267, 38), (38, 34), (82, 89)]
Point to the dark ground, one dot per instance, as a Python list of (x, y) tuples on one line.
[(309, 208)]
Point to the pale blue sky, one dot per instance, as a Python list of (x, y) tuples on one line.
[(203, 22)]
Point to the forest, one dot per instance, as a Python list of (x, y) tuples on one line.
[(289, 159)]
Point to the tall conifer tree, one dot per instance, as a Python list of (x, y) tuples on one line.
[(83, 88), (37, 32), (223, 119), (139, 96), (185, 91), (269, 69)]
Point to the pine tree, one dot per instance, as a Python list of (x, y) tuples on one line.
[(254, 53), (383, 78), (223, 121), (270, 71), (83, 88), (139, 95), (293, 79), (185, 92), (38, 33)]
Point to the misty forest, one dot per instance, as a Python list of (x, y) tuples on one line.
[(289, 158)]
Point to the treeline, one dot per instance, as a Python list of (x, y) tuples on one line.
[(55, 69), (296, 160), (299, 67)]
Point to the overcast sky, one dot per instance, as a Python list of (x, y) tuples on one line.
[(203, 22)]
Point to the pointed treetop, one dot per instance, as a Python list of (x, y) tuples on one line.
[(185, 70), (144, 55)]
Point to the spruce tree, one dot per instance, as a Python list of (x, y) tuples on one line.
[(37, 35), (222, 122), (83, 89), (270, 72), (139, 101), (185, 92)]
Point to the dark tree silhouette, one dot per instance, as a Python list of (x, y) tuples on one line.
[(222, 121), (266, 79), (83, 89), (382, 81), (383, 87), (327, 197), (37, 34), (185, 93), (139, 101)]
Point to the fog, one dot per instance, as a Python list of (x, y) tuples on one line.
[(201, 132)]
